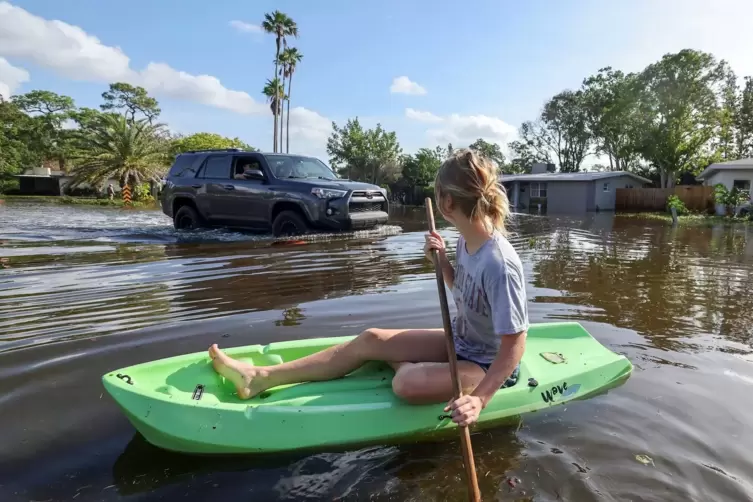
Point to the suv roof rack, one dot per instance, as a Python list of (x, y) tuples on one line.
[(216, 150)]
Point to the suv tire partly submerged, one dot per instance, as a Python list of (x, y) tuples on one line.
[(186, 218), (289, 223)]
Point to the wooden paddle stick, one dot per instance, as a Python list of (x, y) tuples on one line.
[(465, 435)]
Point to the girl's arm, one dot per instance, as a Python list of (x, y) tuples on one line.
[(509, 356)]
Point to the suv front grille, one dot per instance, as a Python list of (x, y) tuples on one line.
[(366, 201), (365, 207)]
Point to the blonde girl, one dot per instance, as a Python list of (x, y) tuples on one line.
[(488, 288)]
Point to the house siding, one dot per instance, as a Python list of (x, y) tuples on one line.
[(605, 201), (727, 176), (567, 196)]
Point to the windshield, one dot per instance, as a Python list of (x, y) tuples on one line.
[(293, 166)]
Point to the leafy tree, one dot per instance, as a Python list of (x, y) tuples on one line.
[(491, 151), (530, 149), (46, 135), (206, 141), (365, 155), (564, 129), (114, 147), (282, 26), (421, 168), (290, 58), (744, 121), (610, 99), (15, 131), (679, 111), (130, 100)]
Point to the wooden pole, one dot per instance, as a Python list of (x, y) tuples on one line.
[(465, 435)]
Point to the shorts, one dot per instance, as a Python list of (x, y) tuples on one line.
[(511, 380)]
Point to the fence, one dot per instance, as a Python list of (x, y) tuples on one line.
[(695, 197)]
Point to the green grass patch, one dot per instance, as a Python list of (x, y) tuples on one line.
[(79, 201), (685, 219)]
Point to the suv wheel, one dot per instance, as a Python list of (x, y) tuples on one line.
[(186, 218), (289, 223)]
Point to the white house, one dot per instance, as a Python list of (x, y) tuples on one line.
[(733, 174)]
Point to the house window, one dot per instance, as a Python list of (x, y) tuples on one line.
[(538, 190), (742, 185), (606, 187)]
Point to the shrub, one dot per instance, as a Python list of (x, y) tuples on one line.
[(675, 202)]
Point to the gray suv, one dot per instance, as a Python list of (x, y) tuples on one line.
[(287, 194)]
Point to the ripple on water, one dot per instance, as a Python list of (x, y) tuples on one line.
[(86, 290)]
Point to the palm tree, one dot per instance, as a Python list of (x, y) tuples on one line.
[(281, 25), (290, 58), (114, 147), (275, 92)]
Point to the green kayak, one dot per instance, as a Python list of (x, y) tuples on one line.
[(181, 404)]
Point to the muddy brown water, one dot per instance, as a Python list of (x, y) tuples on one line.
[(84, 291)]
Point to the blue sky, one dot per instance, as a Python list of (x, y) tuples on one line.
[(485, 65)]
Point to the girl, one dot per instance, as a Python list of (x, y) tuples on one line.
[(488, 287)]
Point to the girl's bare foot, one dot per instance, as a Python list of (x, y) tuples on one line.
[(248, 379)]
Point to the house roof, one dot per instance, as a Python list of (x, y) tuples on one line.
[(580, 176), (723, 166)]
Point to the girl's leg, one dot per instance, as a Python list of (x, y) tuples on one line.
[(431, 382), (390, 345)]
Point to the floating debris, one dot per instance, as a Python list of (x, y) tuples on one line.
[(645, 460), (553, 357)]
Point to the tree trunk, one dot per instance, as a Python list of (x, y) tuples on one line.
[(287, 132), (282, 109), (274, 147)]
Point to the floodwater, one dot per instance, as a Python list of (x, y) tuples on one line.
[(84, 291)]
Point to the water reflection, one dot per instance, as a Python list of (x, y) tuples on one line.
[(665, 283)]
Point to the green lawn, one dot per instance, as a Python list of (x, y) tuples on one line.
[(686, 219), (81, 201)]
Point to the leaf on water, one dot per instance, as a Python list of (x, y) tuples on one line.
[(645, 460), (553, 357)]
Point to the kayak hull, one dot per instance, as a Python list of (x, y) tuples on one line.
[(181, 404)]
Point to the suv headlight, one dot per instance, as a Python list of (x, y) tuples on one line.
[(328, 193)]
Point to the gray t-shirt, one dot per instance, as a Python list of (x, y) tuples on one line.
[(490, 296)]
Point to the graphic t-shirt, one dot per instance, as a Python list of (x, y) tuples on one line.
[(490, 297)]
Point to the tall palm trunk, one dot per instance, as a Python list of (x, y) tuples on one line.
[(279, 38), (282, 105), (287, 132)]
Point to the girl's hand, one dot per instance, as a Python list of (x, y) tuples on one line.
[(433, 241), (465, 409)]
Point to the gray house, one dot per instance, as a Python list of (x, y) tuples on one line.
[(547, 191)]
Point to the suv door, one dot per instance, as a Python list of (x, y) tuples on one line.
[(214, 199), (251, 198)]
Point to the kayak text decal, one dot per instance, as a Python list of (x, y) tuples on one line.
[(563, 390)]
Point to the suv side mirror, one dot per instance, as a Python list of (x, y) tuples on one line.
[(253, 174)]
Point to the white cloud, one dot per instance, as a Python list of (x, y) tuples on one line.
[(422, 116), (463, 130), (71, 52), (161, 79), (404, 85), (308, 132), (10, 78), (245, 27)]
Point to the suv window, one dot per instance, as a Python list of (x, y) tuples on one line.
[(184, 166), (296, 166), (243, 164), (217, 166)]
